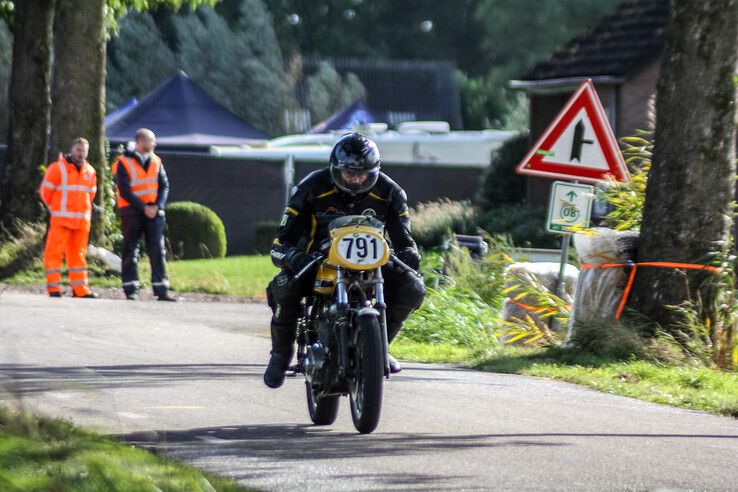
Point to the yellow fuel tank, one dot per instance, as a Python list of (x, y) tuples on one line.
[(325, 280)]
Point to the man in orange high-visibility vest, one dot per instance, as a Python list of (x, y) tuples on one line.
[(142, 190), (68, 190)]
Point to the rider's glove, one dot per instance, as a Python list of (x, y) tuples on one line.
[(409, 256), (296, 260)]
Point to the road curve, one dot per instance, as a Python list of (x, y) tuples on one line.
[(185, 379)]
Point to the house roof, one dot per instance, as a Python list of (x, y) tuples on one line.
[(621, 44), (182, 114)]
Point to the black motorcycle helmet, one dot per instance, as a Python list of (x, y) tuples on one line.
[(354, 164)]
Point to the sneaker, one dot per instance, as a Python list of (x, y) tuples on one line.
[(275, 371), (131, 297), (395, 366), (167, 297), (91, 295), (55, 294)]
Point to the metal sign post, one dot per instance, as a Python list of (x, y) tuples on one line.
[(561, 281), (570, 207)]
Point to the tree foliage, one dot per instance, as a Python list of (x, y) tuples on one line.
[(129, 73), (327, 91), (117, 9), (492, 41), (243, 70)]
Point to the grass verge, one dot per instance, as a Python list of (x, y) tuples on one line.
[(47, 454), (692, 387), (242, 276), (447, 353), (245, 276)]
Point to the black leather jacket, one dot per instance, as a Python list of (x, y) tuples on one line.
[(316, 201)]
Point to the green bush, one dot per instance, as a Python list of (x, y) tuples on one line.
[(195, 231), (435, 222), (21, 249), (525, 225), (453, 315), (486, 276), (501, 184), (264, 234)]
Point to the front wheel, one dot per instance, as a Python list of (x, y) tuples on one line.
[(323, 409), (368, 374)]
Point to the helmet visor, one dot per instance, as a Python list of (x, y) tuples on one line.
[(354, 180)]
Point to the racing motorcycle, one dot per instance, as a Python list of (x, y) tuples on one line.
[(342, 347)]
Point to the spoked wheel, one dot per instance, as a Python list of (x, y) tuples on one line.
[(323, 409), (368, 375)]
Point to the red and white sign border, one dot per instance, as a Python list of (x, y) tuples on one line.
[(584, 97)]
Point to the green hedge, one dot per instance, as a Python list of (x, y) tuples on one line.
[(434, 222), (501, 184), (195, 231)]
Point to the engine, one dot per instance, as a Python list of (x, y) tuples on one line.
[(319, 353)]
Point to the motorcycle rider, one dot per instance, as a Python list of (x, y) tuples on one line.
[(351, 185)]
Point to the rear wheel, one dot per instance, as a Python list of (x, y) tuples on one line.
[(368, 375), (323, 409)]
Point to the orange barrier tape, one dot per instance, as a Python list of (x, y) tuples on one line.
[(634, 269)]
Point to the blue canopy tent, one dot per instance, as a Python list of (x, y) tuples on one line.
[(109, 119), (349, 117), (181, 114)]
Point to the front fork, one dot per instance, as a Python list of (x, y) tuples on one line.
[(343, 321), (343, 310), (381, 306)]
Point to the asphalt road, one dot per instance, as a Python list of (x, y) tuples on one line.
[(185, 379)]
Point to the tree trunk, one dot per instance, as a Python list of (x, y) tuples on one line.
[(29, 104), (78, 90), (688, 210)]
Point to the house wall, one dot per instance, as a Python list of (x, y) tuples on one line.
[(636, 97)]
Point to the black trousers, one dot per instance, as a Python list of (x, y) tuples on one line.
[(403, 292), (133, 227)]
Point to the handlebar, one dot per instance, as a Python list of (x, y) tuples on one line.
[(319, 257), (309, 266)]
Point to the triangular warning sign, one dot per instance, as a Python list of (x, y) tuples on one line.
[(578, 144)]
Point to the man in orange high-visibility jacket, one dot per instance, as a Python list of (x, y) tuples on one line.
[(142, 190), (68, 190)]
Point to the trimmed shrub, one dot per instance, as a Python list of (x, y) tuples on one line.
[(195, 231), (501, 184), (434, 222)]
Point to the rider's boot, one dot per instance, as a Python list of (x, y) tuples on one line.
[(283, 340), (393, 328), (395, 366), (275, 371)]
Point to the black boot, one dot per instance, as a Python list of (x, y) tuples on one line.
[(275, 371), (395, 366), (393, 328)]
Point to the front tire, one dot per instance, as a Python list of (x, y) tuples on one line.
[(323, 409), (368, 375)]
